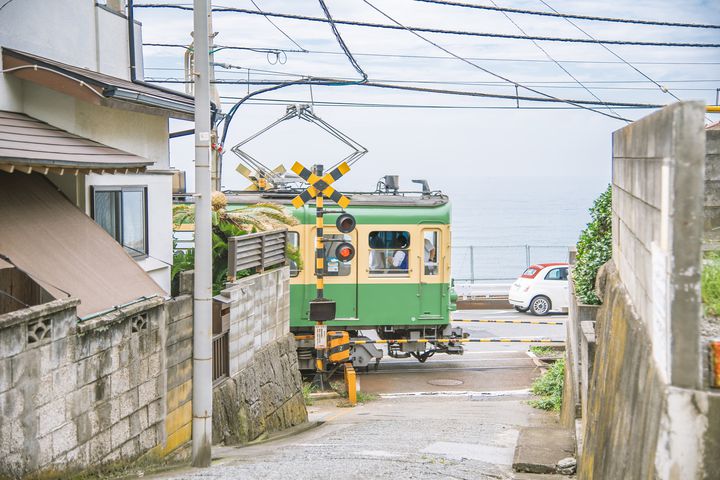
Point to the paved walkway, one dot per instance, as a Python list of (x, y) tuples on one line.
[(414, 430)]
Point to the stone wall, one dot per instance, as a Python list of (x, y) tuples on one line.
[(118, 386), (79, 394), (648, 413), (263, 392), (263, 397)]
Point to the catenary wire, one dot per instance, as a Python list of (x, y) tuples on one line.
[(464, 60), (559, 65), (548, 83), (327, 103), (341, 42), (277, 27), (433, 30), (611, 51), (335, 82), (567, 15), (432, 57)]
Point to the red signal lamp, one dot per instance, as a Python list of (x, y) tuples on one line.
[(345, 252)]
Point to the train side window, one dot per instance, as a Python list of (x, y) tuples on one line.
[(293, 239), (389, 252), (430, 252), (333, 266)]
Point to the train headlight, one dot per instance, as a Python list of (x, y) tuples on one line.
[(345, 223), (345, 252)]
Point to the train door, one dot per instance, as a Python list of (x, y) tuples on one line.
[(431, 286), (341, 277)]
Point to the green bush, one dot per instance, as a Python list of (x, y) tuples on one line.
[(594, 248), (225, 224), (711, 283), (549, 387)]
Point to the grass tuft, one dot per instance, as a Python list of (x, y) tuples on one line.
[(711, 283), (549, 387), (307, 389)]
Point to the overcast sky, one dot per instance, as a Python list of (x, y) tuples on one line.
[(448, 146)]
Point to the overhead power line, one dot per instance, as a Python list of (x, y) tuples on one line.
[(329, 103), (609, 50), (583, 105), (567, 15), (553, 85), (550, 57), (275, 102), (341, 42), (429, 57), (433, 30), (217, 48), (276, 27), (464, 93)]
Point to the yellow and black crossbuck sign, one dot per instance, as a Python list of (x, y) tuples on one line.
[(321, 184)]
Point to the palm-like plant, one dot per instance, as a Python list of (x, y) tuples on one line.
[(241, 220)]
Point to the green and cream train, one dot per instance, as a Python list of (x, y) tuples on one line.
[(396, 287)]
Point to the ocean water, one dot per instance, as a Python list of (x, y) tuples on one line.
[(510, 222)]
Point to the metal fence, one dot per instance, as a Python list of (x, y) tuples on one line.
[(256, 251), (501, 262)]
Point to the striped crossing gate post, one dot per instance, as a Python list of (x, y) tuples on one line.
[(321, 308)]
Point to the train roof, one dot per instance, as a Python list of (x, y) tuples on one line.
[(367, 207)]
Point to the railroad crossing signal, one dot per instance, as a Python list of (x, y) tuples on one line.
[(320, 184)]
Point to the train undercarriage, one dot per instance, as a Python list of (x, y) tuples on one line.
[(401, 341)]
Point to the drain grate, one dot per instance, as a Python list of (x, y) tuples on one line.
[(445, 382)]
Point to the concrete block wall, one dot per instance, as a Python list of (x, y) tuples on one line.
[(649, 414), (259, 314), (658, 197), (80, 394), (712, 189), (263, 392)]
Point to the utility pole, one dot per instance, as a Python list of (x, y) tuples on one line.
[(215, 159), (202, 304)]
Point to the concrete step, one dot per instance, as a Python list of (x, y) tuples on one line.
[(539, 449)]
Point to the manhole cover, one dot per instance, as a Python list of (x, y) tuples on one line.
[(445, 382)]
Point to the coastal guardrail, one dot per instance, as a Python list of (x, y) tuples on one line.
[(482, 263)]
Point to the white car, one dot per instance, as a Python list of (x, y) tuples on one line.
[(541, 289)]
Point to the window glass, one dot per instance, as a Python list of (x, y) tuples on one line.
[(430, 249), (333, 266), (530, 272), (293, 239), (133, 222), (389, 252), (122, 212), (107, 212), (557, 274)]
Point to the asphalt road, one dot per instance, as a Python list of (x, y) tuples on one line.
[(453, 417), (484, 367)]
